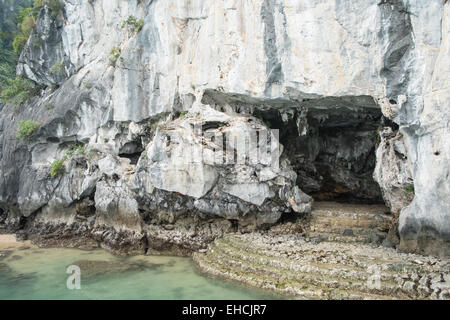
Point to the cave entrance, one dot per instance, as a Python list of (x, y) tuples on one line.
[(132, 150), (330, 141), (333, 152)]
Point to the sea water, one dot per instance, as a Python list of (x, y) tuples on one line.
[(37, 273)]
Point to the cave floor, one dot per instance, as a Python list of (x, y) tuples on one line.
[(349, 222), (335, 254)]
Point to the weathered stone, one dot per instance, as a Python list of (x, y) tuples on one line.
[(180, 160), (116, 207), (393, 171), (250, 192), (390, 61), (287, 264)]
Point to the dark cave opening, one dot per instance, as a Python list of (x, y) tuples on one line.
[(330, 141), (2, 216), (132, 150), (134, 157), (334, 158), (344, 165)]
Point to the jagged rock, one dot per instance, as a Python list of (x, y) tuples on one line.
[(116, 206), (334, 155), (198, 166), (45, 50), (39, 188), (168, 171), (322, 91), (188, 235), (393, 171), (250, 192), (300, 201), (290, 265)]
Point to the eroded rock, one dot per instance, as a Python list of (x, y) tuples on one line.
[(201, 166), (328, 96)]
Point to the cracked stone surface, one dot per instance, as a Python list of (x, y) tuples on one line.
[(309, 66), (320, 259)]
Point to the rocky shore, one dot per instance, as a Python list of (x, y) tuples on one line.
[(179, 126), (339, 252), (307, 269), (161, 240), (9, 241)]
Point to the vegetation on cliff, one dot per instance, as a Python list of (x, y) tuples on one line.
[(27, 128), (14, 20), (17, 21), (16, 91), (58, 167)]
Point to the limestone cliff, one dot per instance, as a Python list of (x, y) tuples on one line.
[(121, 100)]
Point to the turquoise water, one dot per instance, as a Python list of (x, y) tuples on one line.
[(41, 274)]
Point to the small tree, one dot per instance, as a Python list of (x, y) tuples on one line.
[(19, 43), (27, 128), (55, 6), (16, 91), (26, 22), (133, 24), (58, 69), (58, 168), (408, 189), (114, 55)]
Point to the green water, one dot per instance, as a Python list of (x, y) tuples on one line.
[(41, 274)]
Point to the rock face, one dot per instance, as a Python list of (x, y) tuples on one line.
[(328, 74), (393, 171), (212, 177), (47, 37)]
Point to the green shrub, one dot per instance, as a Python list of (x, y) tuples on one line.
[(11, 17), (88, 85), (55, 6), (133, 25), (114, 55), (58, 167), (16, 91), (76, 148), (58, 69), (408, 189), (26, 22), (81, 149), (27, 128), (19, 43), (38, 4), (7, 64), (183, 114)]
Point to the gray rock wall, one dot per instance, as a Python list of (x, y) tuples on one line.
[(284, 55)]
